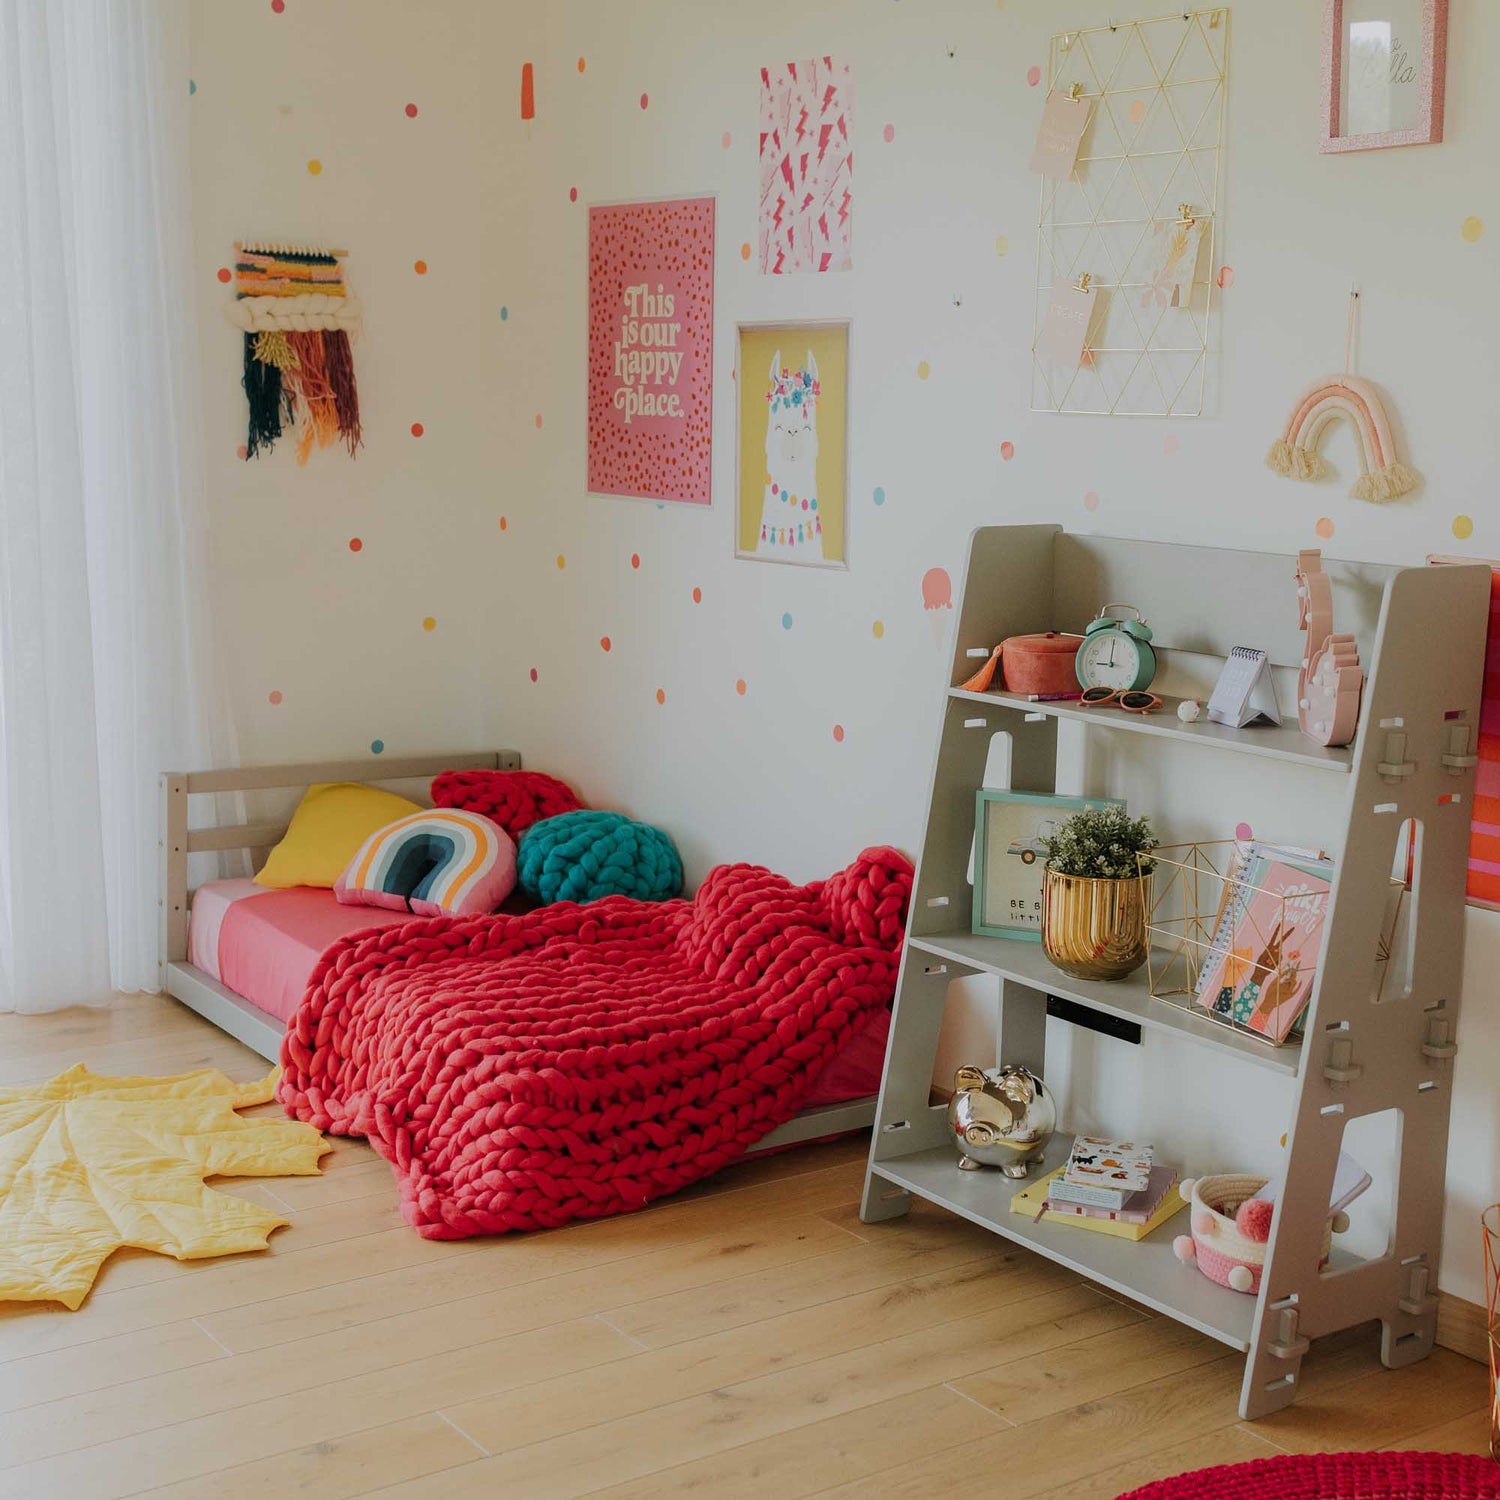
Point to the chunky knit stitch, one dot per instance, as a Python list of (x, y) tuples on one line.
[(582, 856), (513, 799), (1337, 1476), (579, 1061)]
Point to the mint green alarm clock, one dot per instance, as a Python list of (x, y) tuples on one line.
[(1116, 653)]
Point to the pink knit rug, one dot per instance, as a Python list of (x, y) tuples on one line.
[(1337, 1476)]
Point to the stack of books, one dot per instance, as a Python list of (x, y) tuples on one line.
[(1111, 1187)]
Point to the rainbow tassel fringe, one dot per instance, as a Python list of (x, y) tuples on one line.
[(298, 320)]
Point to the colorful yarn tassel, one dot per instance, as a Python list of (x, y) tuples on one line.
[(299, 368)]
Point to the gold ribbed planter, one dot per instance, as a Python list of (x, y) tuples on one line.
[(1095, 929)]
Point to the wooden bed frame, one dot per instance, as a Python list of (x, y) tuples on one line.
[(215, 1002)]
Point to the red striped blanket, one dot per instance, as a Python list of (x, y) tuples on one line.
[(577, 1061)]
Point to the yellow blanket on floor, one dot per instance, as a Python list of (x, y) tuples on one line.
[(88, 1164)]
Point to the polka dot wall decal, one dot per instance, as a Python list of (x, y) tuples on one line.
[(1472, 228), (645, 100), (1033, 76), (582, 64), (1324, 528), (277, 6), (1007, 450), (572, 195), (838, 734), (739, 686), (878, 630), (420, 267), (604, 643), (1002, 245), (725, 140), (411, 111), (1226, 277), (224, 273), (923, 369), (192, 88), (314, 167), (504, 523), (505, 315), (745, 251), (355, 544), (274, 697), (697, 596), (888, 134), (635, 559), (242, 452), (429, 624), (562, 562), (661, 695), (1091, 500), (879, 494), (1463, 528), (1171, 443), (533, 674), (377, 747), (417, 429), (1243, 831), (786, 621), (538, 420)]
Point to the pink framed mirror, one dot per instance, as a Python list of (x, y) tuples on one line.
[(1384, 63)]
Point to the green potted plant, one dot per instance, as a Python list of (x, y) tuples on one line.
[(1096, 893)]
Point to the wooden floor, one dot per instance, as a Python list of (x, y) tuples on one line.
[(748, 1338)]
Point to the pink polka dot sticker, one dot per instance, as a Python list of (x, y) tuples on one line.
[(605, 643), (572, 195), (1171, 443), (533, 674), (242, 452), (1033, 76), (277, 6), (411, 111), (538, 420), (1091, 500), (635, 559), (274, 697), (726, 140), (645, 100), (417, 429), (838, 734), (1243, 831), (1137, 111), (1226, 277), (1007, 450), (1324, 528), (355, 544), (888, 134)]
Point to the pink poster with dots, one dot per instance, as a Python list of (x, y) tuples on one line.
[(651, 346)]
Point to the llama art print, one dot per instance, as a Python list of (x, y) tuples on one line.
[(792, 426)]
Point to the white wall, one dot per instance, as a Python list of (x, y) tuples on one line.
[(484, 200)]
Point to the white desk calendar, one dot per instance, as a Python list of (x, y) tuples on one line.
[(1245, 692)]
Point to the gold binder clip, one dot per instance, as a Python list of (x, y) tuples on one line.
[(1185, 215), (1082, 284), (1075, 91)]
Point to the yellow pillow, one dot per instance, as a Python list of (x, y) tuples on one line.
[(331, 823)]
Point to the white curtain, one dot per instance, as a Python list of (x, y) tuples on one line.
[(106, 664)]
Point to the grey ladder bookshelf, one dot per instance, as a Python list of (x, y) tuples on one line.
[(1421, 632)]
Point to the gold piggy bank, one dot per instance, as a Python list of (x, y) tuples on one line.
[(1001, 1117)]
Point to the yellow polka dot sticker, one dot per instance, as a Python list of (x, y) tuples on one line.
[(878, 629), (1472, 228), (923, 370), (1463, 528), (562, 562), (314, 167), (429, 623), (1002, 245)]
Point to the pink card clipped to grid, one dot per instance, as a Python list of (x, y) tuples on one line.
[(1070, 309), (1064, 120)]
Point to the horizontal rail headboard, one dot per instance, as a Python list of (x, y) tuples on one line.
[(178, 841)]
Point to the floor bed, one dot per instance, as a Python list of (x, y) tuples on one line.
[(240, 955)]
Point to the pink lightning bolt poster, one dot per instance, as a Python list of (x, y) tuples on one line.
[(806, 165)]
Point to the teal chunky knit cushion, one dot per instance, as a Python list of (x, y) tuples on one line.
[(581, 856)]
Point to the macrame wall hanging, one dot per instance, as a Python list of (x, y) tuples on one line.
[(298, 320), (1295, 453)]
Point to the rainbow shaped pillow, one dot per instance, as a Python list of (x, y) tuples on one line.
[(440, 863)]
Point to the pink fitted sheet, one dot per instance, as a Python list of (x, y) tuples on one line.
[(264, 944)]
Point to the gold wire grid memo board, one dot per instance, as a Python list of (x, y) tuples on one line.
[(1193, 887), (1151, 155)]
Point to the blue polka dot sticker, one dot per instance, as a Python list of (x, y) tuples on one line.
[(880, 494), (786, 621), (192, 88), (505, 315), (377, 747)]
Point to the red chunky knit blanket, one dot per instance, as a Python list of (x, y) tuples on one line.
[(579, 1061)]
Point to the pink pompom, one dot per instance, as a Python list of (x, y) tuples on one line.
[(1254, 1219), (1183, 1247), (1203, 1224)]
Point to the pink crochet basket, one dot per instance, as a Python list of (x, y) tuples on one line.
[(1222, 1252)]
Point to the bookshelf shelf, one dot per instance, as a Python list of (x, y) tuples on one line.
[(1357, 1057)]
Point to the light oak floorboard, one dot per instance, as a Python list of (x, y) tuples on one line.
[(748, 1337)]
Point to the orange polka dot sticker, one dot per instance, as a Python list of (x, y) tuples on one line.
[(274, 697), (504, 524), (838, 734), (661, 695), (635, 559), (355, 545), (225, 274), (417, 429), (739, 686), (605, 644), (1324, 528), (1007, 451), (420, 267), (697, 596)]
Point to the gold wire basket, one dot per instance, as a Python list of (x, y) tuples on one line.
[(1256, 975), (1490, 1228)]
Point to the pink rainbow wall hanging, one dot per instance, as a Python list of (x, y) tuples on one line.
[(1295, 453)]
